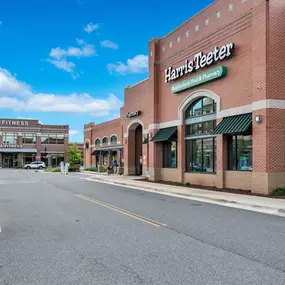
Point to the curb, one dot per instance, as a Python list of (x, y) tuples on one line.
[(222, 202)]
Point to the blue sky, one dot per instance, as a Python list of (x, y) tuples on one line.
[(68, 61)]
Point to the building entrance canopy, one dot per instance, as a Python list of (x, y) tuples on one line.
[(106, 149), (25, 150)]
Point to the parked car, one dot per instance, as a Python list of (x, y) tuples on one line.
[(35, 165)]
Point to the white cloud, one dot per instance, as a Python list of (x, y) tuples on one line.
[(109, 44), (18, 96), (58, 56), (138, 64), (73, 133), (89, 28), (65, 65)]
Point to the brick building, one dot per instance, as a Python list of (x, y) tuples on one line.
[(212, 111), (24, 141)]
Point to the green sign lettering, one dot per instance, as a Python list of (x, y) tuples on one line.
[(202, 78)]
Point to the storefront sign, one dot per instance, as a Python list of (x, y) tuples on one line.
[(13, 123), (133, 114), (200, 61), (202, 78), (11, 146)]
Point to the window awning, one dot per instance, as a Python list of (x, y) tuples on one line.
[(106, 149), (146, 140), (234, 125), (165, 134)]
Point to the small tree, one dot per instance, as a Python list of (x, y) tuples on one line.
[(74, 156)]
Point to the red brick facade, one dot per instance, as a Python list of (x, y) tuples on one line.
[(254, 84)]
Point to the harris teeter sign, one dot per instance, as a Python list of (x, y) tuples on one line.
[(202, 78)]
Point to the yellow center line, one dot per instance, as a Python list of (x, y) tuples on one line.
[(122, 211)]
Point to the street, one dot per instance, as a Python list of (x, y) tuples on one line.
[(68, 230)]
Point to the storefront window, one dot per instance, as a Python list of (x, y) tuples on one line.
[(105, 159), (200, 155), (10, 138), (28, 139), (200, 128), (200, 144), (170, 155), (28, 158), (240, 152)]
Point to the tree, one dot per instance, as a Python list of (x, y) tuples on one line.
[(74, 156)]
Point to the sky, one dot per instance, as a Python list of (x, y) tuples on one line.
[(67, 62)]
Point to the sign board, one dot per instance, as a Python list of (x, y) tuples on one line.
[(18, 123), (11, 146), (147, 174), (200, 61), (133, 114), (62, 167), (66, 168), (202, 78), (38, 158), (81, 168)]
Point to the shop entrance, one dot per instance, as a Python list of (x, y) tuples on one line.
[(135, 149), (9, 160)]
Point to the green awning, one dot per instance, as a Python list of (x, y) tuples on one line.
[(145, 141), (234, 125), (165, 134)]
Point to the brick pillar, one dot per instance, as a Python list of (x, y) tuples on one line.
[(144, 157), (38, 144), (155, 159), (100, 167), (129, 155), (65, 147), (110, 158), (259, 183), (19, 139), (221, 159)]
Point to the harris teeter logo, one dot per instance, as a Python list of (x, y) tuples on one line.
[(200, 61)]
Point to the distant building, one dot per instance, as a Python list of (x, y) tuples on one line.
[(24, 141)]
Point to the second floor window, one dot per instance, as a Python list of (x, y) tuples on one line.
[(28, 139), (113, 139), (97, 141), (52, 139), (105, 140), (10, 138)]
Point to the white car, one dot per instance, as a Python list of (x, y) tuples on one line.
[(35, 165)]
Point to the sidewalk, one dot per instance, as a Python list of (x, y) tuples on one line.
[(246, 202)]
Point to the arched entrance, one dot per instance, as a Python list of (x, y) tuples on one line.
[(135, 132)]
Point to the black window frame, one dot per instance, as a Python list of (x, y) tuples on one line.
[(189, 169), (230, 149), (189, 111), (164, 164)]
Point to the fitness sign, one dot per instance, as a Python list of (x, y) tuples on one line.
[(200, 61)]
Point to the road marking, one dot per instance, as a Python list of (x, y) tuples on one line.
[(122, 211)]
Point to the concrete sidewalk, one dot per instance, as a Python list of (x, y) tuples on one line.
[(246, 202)]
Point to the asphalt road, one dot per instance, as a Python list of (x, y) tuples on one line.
[(67, 230)]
